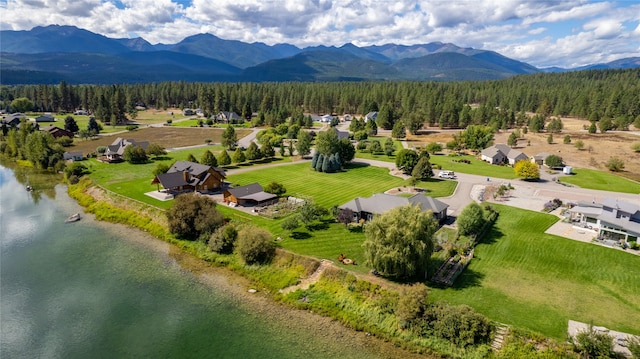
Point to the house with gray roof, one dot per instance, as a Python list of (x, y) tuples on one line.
[(185, 176), (115, 151), (368, 207), (249, 195), (613, 219), (229, 117), (371, 116), (501, 154), (73, 156)]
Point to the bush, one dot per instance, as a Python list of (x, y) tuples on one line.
[(65, 141), (275, 188), (459, 324), (471, 220), (191, 216), (592, 344), (223, 239), (254, 245), (75, 169), (134, 154), (411, 304), (615, 164), (131, 127), (636, 147)]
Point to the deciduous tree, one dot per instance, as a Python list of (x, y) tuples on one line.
[(527, 170), (553, 161), (399, 242), (406, 159), (471, 219), (255, 245), (191, 215)]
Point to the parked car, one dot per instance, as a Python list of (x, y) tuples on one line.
[(447, 174)]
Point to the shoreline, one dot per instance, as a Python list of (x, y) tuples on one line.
[(236, 288)]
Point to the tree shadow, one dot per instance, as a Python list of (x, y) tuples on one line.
[(352, 165), (492, 236), (300, 235), (161, 158), (469, 278)]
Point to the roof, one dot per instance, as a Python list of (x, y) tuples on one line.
[(172, 179), (541, 156), (505, 150), (252, 192), (343, 134), (381, 202), (194, 168), (248, 190), (621, 205)]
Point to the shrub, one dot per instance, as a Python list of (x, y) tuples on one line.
[(65, 141), (471, 219), (161, 168), (134, 154), (75, 169), (636, 147), (459, 324), (615, 164), (131, 127), (223, 239), (275, 188), (592, 344), (411, 304), (254, 245), (191, 216)]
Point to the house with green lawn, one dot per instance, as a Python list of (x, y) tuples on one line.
[(368, 207), (613, 219)]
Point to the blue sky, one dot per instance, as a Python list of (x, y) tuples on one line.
[(565, 33)]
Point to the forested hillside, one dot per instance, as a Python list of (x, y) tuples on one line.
[(593, 94)]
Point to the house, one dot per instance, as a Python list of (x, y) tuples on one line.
[(343, 134), (346, 117), (13, 120), (539, 158), (57, 132), (326, 118), (73, 156), (501, 153), (188, 112), (371, 116), (229, 117), (367, 208), (185, 176), (613, 219), (82, 113), (47, 117), (115, 151), (249, 195)]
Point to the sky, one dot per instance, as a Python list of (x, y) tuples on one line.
[(543, 33)]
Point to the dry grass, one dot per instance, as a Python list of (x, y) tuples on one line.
[(597, 147), (167, 137)]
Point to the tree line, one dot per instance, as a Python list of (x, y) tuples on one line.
[(592, 94)]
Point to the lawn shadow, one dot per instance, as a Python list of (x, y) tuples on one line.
[(161, 158), (469, 278), (300, 235), (353, 165), (492, 236)]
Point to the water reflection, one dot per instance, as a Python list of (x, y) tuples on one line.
[(43, 182)]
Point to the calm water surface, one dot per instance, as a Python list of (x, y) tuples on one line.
[(82, 290)]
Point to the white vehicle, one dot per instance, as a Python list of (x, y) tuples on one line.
[(447, 174)]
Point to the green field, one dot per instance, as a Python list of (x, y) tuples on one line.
[(601, 180), (529, 279), (476, 167), (329, 189)]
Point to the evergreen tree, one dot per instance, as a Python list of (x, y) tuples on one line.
[(70, 124), (326, 167), (93, 126), (224, 159), (229, 137), (238, 156), (399, 131), (192, 158), (267, 150), (389, 147), (253, 152), (314, 160), (371, 127), (209, 159), (319, 163), (422, 169)]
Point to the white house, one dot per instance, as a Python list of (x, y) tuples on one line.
[(613, 219), (501, 153)]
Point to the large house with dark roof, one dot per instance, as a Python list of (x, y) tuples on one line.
[(368, 207), (249, 195), (57, 132), (501, 153), (115, 151), (612, 219), (185, 176)]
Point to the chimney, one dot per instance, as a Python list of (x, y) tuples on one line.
[(185, 174)]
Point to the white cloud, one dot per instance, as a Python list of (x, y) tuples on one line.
[(514, 28)]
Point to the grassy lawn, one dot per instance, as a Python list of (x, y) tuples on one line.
[(529, 279), (477, 167), (601, 180), (329, 189), (380, 157)]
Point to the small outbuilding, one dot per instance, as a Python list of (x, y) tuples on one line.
[(249, 195)]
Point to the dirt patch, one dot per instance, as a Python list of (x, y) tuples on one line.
[(167, 137)]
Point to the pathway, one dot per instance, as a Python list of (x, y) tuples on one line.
[(307, 282)]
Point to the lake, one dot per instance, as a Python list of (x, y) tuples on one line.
[(95, 290)]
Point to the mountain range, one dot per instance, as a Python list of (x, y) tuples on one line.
[(55, 53)]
